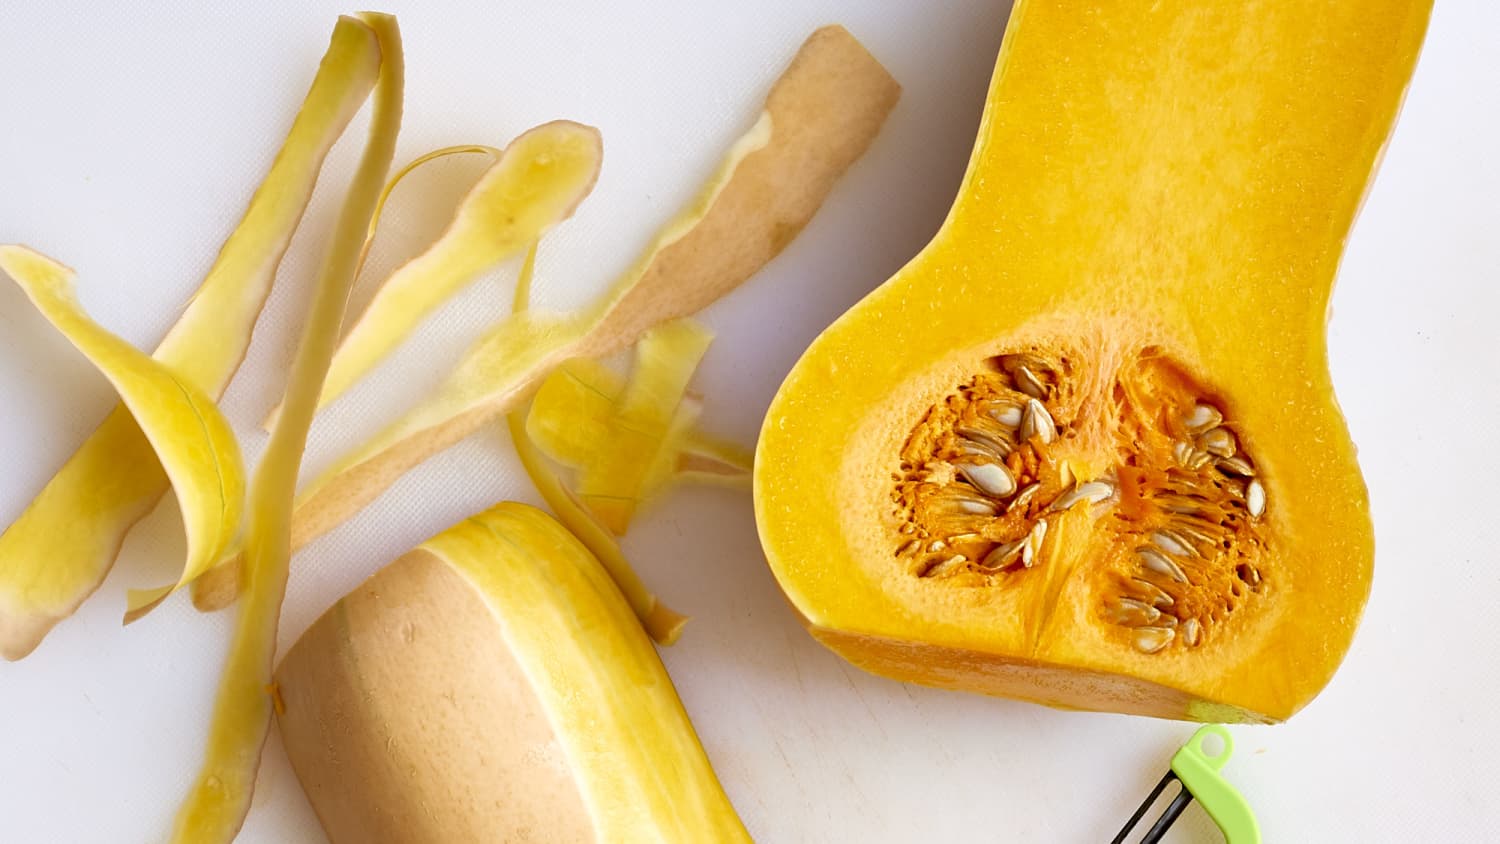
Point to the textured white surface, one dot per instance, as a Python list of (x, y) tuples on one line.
[(132, 135)]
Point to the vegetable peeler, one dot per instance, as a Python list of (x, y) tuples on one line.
[(1198, 773)]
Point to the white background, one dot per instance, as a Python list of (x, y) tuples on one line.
[(131, 137)]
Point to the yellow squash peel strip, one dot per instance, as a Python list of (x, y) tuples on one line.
[(611, 482), (570, 412), (819, 118), (661, 623), (569, 421), (191, 439), (62, 546), (535, 183), (215, 806)]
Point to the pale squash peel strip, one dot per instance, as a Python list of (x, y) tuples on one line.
[(661, 623), (210, 589), (62, 546), (820, 117), (569, 421), (217, 803), (611, 483), (535, 183), (192, 440), (570, 412)]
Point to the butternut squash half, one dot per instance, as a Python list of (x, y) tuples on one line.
[(1084, 449)]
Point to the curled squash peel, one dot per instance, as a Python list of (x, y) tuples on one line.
[(533, 184), (191, 440), (661, 623), (62, 546), (1104, 469), (219, 798), (613, 480), (820, 116)]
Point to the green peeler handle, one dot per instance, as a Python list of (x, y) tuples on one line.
[(1199, 773)]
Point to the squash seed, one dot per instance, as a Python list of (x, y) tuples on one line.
[(1236, 466), (1255, 499), (1032, 546), (1149, 640), (1172, 543), (1192, 632), (1218, 441), (1191, 532), (1154, 594), (1160, 563), (974, 507), (1202, 417), (957, 500), (1002, 555), (1028, 383), (1183, 509), (987, 432), (1037, 422), (1093, 492), (947, 565), (1006, 413), (1024, 496), (982, 449), (1129, 611), (990, 478)]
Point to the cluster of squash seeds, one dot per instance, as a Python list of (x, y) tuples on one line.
[(1176, 509)]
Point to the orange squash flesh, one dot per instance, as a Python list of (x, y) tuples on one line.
[(1157, 204)]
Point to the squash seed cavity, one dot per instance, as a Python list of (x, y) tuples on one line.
[(1147, 460)]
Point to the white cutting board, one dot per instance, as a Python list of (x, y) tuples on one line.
[(131, 137)]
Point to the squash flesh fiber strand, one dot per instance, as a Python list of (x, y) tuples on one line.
[(216, 805)]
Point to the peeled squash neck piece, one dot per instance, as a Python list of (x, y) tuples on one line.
[(1084, 449), (493, 685)]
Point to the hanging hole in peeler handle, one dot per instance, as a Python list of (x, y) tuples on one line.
[(1213, 744)]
